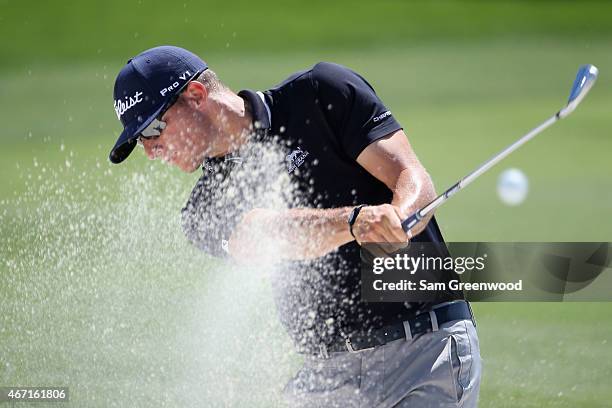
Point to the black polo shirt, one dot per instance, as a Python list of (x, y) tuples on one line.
[(321, 119)]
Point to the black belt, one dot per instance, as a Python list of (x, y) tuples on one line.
[(419, 324)]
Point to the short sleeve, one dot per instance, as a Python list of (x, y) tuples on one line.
[(351, 107)]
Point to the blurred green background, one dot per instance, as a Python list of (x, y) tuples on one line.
[(100, 292)]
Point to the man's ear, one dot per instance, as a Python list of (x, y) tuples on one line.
[(196, 93)]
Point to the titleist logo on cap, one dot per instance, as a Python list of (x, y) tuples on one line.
[(123, 106)]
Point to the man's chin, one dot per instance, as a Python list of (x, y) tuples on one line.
[(188, 167)]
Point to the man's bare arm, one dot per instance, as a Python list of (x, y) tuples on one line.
[(305, 233), (299, 233)]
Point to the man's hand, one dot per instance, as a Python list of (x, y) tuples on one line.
[(381, 224)]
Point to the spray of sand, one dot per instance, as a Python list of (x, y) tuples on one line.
[(101, 292)]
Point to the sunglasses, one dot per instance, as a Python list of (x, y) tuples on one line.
[(152, 131), (156, 126)]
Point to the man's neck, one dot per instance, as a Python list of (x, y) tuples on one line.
[(237, 122)]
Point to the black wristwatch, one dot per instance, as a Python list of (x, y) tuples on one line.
[(353, 217)]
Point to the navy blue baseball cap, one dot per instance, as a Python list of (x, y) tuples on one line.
[(145, 87)]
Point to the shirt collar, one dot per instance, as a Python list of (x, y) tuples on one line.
[(262, 122), (262, 118)]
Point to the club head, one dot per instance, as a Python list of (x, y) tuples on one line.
[(585, 78)]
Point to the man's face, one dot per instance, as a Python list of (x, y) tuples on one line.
[(188, 135)]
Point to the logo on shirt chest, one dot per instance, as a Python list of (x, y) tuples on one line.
[(295, 159)]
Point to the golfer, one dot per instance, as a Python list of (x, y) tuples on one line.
[(353, 176)]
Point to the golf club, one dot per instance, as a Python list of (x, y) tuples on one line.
[(585, 78)]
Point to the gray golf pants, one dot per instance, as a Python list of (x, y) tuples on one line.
[(437, 369)]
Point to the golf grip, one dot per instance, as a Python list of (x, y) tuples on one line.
[(411, 221)]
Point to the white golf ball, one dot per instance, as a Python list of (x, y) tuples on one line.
[(512, 187)]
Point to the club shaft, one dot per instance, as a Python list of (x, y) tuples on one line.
[(411, 221), (504, 153)]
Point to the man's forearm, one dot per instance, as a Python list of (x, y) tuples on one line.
[(299, 233), (413, 191), (392, 161), (306, 233)]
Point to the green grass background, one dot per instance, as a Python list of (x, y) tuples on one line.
[(99, 290)]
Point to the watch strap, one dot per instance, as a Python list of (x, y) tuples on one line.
[(353, 217)]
